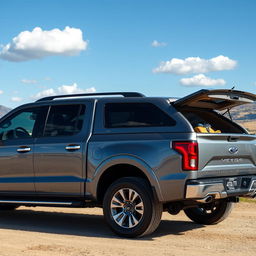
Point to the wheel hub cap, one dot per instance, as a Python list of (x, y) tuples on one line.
[(127, 208)]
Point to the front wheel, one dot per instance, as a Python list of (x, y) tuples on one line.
[(211, 213), (130, 208)]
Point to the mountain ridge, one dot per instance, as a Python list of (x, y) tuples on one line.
[(4, 110)]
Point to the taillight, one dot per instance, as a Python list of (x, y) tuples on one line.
[(189, 152)]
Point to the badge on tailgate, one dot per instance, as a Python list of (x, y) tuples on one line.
[(233, 150)]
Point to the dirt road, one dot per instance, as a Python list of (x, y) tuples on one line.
[(59, 231)]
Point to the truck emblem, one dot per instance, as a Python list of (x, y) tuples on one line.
[(233, 150)]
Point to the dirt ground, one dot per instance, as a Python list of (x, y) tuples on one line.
[(61, 231)]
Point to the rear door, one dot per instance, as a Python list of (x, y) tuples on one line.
[(60, 154)]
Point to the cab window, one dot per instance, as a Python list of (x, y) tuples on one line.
[(64, 120), (26, 123)]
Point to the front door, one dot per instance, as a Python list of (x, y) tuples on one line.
[(17, 133), (60, 154)]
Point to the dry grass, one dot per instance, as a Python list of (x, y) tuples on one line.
[(249, 125), (247, 200)]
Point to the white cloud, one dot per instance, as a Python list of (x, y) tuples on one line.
[(40, 43), (201, 80), (45, 93), (72, 89), (1, 92), (155, 43), (64, 89), (16, 99), (29, 81), (195, 65)]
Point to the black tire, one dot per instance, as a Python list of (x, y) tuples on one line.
[(8, 207), (145, 209), (211, 213)]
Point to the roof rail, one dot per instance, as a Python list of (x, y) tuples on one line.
[(124, 94)]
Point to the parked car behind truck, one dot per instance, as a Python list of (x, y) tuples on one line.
[(135, 156)]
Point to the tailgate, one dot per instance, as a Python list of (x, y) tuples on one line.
[(226, 155)]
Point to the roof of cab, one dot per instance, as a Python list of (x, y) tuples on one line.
[(124, 94)]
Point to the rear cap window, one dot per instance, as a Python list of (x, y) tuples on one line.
[(125, 115)]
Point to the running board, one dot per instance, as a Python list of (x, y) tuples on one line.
[(41, 203)]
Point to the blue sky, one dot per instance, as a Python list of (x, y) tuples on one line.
[(198, 44)]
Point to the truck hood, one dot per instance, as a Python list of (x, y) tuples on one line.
[(216, 99)]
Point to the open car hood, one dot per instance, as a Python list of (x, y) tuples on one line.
[(216, 99)]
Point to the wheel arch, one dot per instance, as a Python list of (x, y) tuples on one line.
[(123, 166)]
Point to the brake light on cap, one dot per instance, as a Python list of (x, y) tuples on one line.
[(189, 152)]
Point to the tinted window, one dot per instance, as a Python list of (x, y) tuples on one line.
[(64, 120), (119, 115), (24, 124)]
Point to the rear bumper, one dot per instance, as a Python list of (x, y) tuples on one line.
[(204, 190)]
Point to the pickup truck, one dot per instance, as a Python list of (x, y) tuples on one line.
[(132, 155)]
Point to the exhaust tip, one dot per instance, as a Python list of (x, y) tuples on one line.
[(207, 199)]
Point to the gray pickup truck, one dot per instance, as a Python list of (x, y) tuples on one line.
[(132, 155)]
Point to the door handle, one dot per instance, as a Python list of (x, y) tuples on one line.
[(73, 147), (23, 149)]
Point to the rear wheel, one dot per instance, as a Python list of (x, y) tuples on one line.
[(130, 208), (211, 213)]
